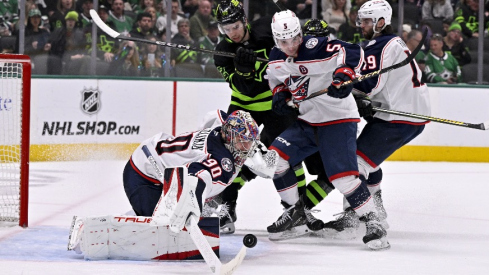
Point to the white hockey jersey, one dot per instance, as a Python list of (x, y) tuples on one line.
[(311, 71), (202, 152), (400, 89)]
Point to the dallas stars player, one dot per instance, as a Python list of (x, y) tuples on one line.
[(250, 90)]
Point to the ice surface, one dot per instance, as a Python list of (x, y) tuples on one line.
[(438, 213)]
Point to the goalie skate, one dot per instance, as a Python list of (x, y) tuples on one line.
[(74, 239)]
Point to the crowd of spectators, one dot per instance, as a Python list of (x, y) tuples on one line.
[(58, 33)]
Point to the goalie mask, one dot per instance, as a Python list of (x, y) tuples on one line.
[(316, 27), (286, 28), (375, 10), (240, 133)]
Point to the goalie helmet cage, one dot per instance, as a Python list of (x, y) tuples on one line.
[(15, 84)]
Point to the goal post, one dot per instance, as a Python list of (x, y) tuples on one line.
[(15, 95)]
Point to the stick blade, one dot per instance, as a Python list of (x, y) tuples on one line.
[(98, 21), (485, 125), (232, 265)]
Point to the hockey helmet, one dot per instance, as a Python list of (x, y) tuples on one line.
[(285, 25), (228, 12), (375, 9), (240, 133), (316, 27)]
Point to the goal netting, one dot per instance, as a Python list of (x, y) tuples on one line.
[(15, 74)]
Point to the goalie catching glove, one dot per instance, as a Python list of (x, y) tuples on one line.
[(263, 162), (340, 75), (244, 62)]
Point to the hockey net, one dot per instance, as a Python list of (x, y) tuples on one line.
[(15, 74)]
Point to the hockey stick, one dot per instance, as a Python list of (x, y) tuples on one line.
[(198, 238), (117, 35), (480, 126), (378, 72), (279, 5)]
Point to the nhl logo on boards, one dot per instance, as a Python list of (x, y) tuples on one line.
[(90, 103), (227, 164), (311, 43)]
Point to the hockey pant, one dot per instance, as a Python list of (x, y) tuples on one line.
[(336, 144), (378, 140)]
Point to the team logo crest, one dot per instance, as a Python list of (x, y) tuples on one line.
[(298, 86), (303, 69), (90, 101), (227, 164), (311, 43)]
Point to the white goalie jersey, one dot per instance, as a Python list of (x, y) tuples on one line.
[(202, 152)]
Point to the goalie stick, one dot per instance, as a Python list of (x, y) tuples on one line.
[(116, 35), (198, 238), (479, 126), (378, 72)]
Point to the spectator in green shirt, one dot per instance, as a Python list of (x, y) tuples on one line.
[(441, 67)]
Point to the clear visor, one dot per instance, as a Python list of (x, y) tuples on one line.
[(364, 21), (231, 28), (288, 43)]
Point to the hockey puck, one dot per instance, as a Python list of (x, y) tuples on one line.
[(250, 240)]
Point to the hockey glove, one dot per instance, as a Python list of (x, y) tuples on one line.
[(364, 105), (244, 62), (340, 75), (279, 103)]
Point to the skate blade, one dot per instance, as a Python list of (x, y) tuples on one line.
[(293, 233), (346, 234), (227, 228), (379, 244)]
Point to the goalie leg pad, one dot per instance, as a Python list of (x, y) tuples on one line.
[(134, 238)]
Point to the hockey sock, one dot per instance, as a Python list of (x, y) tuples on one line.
[(374, 180), (301, 178), (287, 187), (316, 191)]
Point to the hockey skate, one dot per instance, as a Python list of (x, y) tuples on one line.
[(344, 227), (375, 237), (211, 207), (227, 217), (292, 223), (313, 223), (379, 206)]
